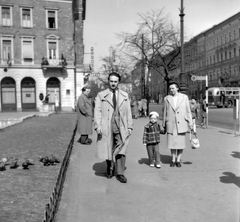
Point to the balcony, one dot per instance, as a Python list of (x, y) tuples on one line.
[(53, 63)]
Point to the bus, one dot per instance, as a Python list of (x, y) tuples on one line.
[(223, 96)]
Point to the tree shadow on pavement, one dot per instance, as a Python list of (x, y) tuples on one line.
[(100, 169), (230, 178), (236, 154)]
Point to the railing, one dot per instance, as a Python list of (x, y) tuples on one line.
[(52, 206)]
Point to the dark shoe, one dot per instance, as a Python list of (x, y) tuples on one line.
[(172, 164), (178, 164), (121, 178), (109, 176), (89, 140)]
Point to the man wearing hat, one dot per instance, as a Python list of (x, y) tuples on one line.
[(113, 124)]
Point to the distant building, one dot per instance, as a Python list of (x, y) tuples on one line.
[(214, 52), (41, 52)]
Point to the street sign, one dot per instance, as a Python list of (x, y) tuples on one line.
[(194, 78)]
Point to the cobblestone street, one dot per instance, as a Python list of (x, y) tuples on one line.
[(24, 193)]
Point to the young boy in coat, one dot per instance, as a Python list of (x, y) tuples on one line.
[(151, 139)]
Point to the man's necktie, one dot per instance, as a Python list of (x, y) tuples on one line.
[(114, 100)]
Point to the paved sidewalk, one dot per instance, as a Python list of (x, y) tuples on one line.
[(205, 188)]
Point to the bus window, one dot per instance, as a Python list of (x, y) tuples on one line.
[(235, 92), (217, 93)]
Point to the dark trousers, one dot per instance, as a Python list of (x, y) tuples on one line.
[(153, 153)]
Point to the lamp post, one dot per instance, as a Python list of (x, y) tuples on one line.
[(182, 80)]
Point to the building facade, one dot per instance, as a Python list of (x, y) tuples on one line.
[(41, 53), (215, 53)]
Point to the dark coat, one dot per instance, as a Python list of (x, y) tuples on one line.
[(85, 115)]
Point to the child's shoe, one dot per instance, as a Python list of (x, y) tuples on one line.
[(151, 165), (158, 165)]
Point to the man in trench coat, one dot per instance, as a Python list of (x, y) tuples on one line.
[(113, 123), (84, 116)]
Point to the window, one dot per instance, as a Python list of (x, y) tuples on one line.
[(225, 55), (52, 19), (27, 51), (6, 15), (52, 49), (26, 17), (6, 50), (230, 36), (230, 54), (234, 52), (225, 38), (234, 34)]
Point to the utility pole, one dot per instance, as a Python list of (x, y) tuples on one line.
[(143, 71), (183, 87)]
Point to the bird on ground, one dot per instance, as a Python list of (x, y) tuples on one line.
[(2, 166), (14, 163), (25, 164)]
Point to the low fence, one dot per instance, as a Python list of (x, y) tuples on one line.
[(52, 206)]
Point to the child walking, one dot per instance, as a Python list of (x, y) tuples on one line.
[(151, 139)]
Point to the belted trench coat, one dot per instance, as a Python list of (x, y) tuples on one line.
[(179, 116), (84, 115), (103, 114)]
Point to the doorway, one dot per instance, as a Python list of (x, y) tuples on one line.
[(28, 92), (8, 94)]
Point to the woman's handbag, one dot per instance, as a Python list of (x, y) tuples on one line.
[(194, 141)]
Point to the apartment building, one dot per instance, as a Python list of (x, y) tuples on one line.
[(215, 53), (41, 52)]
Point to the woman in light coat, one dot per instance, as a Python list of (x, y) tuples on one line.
[(177, 120)]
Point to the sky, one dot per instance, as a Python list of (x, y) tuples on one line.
[(106, 18)]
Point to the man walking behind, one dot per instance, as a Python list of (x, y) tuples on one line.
[(113, 123), (84, 116)]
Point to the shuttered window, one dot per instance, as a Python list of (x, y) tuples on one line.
[(6, 16), (26, 18), (52, 47), (27, 51), (6, 53)]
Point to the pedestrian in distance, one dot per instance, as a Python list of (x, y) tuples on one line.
[(177, 120), (144, 106), (151, 139), (204, 115), (84, 116), (194, 112), (113, 124), (56, 102), (139, 105), (134, 108)]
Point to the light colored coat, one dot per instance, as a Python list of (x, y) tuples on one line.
[(181, 115), (102, 120), (85, 115)]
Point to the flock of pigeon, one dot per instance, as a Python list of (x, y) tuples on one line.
[(14, 162)]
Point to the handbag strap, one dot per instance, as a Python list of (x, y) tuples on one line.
[(195, 134)]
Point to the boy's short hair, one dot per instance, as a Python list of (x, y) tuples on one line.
[(153, 113)]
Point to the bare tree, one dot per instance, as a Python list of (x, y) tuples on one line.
[(156, 44)]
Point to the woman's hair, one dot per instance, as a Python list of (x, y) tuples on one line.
[(114, 74)]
